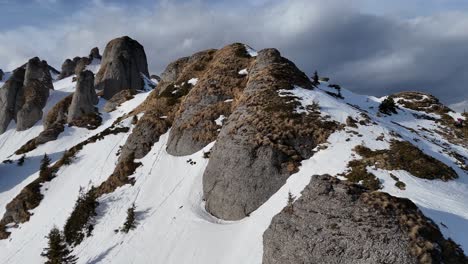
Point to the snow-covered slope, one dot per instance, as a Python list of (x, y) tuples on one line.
[(172, 224)]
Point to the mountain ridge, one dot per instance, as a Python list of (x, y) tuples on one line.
[(226, 133)]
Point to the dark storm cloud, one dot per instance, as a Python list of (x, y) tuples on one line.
[(371, 54)]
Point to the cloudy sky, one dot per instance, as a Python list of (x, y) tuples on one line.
[(370, 46)]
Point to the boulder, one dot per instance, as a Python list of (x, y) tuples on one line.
[(340, 223), (84, 98), (123, 63)]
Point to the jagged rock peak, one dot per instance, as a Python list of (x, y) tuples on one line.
[(339, 222), (78, 64), (94, 53), (84, 98), (261, 143), (123, 63), (25, 94), (34, 94)]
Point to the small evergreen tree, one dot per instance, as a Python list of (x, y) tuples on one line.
[(315, 79), (130, 222), (388, 106), (57, 251), (79, 224), (45, 163), (44, 170), (21, 160), (134, 120), (290, 206)]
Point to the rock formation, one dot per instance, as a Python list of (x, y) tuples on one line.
[(8, 94), (213, 77), (3, 74), (263, 140), (25, 94), (78, 64), (33, 97), (118, 99), (123, 63), (84, 98), (94, 54), (338, 222)]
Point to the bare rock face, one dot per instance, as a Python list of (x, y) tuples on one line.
[(81, 65), (118, 99), (263, 140), (3, 74), (25, 94), (213, 78), (8, 94), (94, 54), (123, 63), (337, 222), (68, 68), (85, 98), (35, 92)]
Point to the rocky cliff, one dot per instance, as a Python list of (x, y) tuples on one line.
[(337, 222), (25, 94)]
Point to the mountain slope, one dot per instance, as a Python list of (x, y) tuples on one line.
[(173, 225)]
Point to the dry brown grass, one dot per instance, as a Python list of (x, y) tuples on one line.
[(403, 155), (427, 243)]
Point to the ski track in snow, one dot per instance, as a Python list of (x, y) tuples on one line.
[(172, 225)]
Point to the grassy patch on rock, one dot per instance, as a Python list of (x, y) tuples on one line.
[(403, 155)]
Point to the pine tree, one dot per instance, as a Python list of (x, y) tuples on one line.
[(79, 224), (45, 162), (21, 160), (57, 251), (290, 206), (44, 170), (388, 106), (315, 79), (130, 223)]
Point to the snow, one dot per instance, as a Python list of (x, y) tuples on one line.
[(243, 72), (228, 100), (250, 51), (193, 81), (94, 65), (172, 225), (456, 115), (219, 120)]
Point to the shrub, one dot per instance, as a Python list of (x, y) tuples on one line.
[(45, 171), (130, 222), (21, 160), (315, 79), (134, 120), (388, 106), (290, 206), (79, 224), (57, 251)]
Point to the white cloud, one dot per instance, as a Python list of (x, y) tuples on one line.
[(369, 53)]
